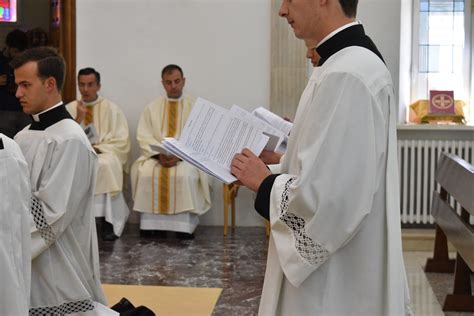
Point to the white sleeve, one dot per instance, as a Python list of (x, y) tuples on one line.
[(147, 127), (115, 139), (315, 213), (65, 181)]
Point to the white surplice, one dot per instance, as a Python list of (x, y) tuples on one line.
[(186, 192), (15, 223), (114, 145), (335, 246), (65, 274)]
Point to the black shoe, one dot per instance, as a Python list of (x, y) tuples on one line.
[(123, 306), (184, 236), (139, 311), (151, 233), (108, 232)]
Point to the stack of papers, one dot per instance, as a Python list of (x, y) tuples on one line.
[(213, 135)]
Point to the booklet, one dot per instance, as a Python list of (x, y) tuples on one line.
[(276, 137), (213, 135), (274, 120), (91, 133), (277, 123), (159, 149)]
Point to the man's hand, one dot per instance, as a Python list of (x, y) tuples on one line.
[(249, 169), (81, 111), (168, 161), (270, 157)]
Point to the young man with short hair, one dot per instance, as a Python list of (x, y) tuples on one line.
[(335, 246), (65, 276)]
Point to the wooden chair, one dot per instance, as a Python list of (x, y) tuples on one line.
[(456, 178), (230, 193)]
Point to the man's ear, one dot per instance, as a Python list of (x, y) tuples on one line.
[(50, 84)]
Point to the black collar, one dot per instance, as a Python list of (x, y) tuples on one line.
[(1, 144), (351, 36), (50, 117)]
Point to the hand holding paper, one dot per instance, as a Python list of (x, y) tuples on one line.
[(226, 143), (249, 169), (213, 135)]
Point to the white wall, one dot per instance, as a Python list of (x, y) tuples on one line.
[(222, 45), (381, 20)]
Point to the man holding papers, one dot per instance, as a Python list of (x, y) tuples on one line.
[(170, 194), (213, 135), (335, 245)]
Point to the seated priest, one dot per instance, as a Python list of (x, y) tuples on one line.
[(15, 223), (107, 129), (169, 193)]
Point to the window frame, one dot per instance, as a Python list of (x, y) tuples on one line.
[(468, 89), (18, 16)]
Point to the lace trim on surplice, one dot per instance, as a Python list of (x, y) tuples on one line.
[(40, 221), (314, 253), (63, 309)]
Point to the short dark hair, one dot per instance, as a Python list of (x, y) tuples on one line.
[(349, 7), (50, 63), (89, 71), (170, 68), (17, 39), (37, 37)]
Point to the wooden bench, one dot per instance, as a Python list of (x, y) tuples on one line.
[(456, 178)]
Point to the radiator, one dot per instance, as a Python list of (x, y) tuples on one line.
[(418, 160)]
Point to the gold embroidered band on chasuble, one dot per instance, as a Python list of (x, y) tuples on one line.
[(167, 174)]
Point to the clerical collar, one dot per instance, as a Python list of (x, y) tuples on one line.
[(49, 117), (92, 103), (36, 116), (345, 26), (174, 99), (351, 34)]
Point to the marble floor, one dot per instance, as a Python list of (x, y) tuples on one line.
[(236, 264)]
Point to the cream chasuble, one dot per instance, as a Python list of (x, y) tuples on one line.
[(113, 142), (15, 223), (159, 190), (335, 246)]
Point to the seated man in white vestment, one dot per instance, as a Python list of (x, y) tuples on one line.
[(65, 276), (107, 130), (170, 194), (335, 245), (15, 223)]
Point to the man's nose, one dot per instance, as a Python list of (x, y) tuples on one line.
[(18, 92), (283, 12)]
